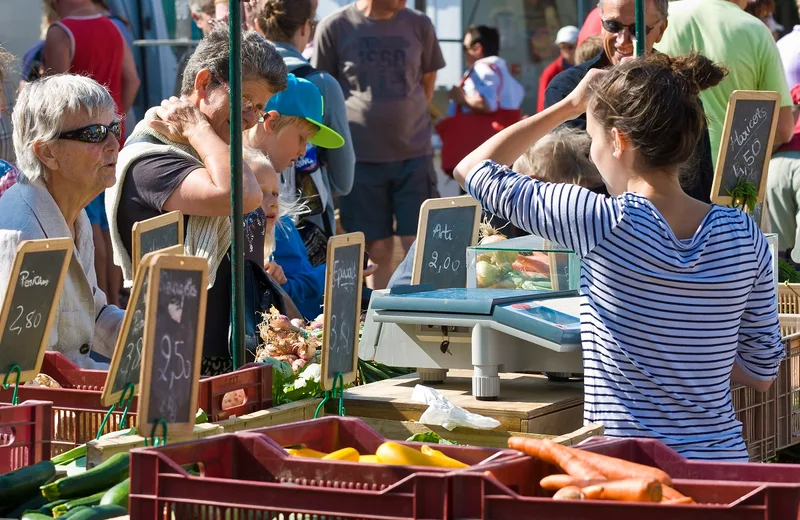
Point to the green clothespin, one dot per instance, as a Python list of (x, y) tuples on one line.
[(7, 385), (129, 389), (336, 393), (158, 441)]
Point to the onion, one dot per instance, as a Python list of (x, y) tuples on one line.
[(486, 274)]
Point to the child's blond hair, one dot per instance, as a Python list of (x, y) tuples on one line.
[(561, 156), (281, 122)]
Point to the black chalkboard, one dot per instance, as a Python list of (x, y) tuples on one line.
[(342, 308), (746, 145), (160, 238), (155, 234), (34, 290), (444, 235), (173, 343)]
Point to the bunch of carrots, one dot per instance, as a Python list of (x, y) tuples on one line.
[(591, 476)]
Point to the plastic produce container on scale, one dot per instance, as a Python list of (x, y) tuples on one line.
[(78, 411), (25, 432), (529, 263)]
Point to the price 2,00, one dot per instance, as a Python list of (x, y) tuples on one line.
[(175, 366), (24, 321), (446, 265)]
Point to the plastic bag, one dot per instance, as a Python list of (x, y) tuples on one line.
[(441, 412)]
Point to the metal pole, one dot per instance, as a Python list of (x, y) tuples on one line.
[(237, 219), (640, 28)]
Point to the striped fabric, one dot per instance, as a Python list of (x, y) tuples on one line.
[(662, 319)]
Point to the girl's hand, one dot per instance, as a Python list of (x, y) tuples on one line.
[(579, 97), (276, 272)]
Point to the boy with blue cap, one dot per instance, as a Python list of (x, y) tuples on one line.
[(291, 120)]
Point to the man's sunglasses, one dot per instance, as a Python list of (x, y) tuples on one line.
[(616, 27), (93, 133)]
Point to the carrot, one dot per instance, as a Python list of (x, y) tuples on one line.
[(556, 482), (569, 493), (618, 469), (557, 455), (674, 497), (632, 490)]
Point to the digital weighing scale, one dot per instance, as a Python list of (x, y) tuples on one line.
[(489, 330)]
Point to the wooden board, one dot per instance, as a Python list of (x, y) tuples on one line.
[(126, 362), (530, 403), (28, 307), (402, 430), (446, 228), (155, 234), (746, 145), (342, 308), (173, 345), (283, 414)]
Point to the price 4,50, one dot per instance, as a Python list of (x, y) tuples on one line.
[(172, 356)]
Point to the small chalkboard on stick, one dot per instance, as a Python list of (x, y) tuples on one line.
[(31, 299), (155, 234), (173, 345), (126, 363), (746, 145), (447, 227), (342, 308)]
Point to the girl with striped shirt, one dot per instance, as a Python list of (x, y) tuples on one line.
[(678, 297)]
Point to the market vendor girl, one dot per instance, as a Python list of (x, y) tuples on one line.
[(678, 295)]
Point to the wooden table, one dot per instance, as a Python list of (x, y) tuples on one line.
[(529, 403)]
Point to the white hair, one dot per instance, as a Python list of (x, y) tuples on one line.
[(39, 115)]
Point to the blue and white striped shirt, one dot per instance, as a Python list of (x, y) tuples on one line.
[(662, 319)]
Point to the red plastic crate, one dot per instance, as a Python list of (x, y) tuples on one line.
[(78, 410), (25, 432)]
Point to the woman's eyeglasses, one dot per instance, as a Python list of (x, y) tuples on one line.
[(616, 27), (247, 105), (93, 133)]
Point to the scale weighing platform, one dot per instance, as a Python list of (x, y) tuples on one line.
[(489, 330)]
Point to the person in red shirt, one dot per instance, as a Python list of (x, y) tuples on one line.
[(591, 26), (566, 39)]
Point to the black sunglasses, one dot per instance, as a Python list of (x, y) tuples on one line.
[(93, 133), (616, 27)]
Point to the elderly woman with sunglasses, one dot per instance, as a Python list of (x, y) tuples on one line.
[(178, 159), (65, 138)]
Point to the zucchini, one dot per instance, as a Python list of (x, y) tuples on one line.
[(20, 485), (69, 456), (110, 472), (89, 501), (200, 417), (31, 505), (117, 495), (74, 512), (47, 509), (36, 516), (99, 513)]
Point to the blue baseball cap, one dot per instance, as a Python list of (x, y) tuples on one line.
[(304, 100)]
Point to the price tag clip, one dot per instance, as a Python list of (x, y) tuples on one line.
[(336, 393), (7, 385)]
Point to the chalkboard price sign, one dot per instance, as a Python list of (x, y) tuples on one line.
[(746, 145), (155, 234), (34, 289), (176, 310), (125, 365), (342, 314), (447, 227)]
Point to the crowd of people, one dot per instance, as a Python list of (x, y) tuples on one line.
[(617, 164)]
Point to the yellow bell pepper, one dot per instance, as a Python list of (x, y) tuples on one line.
[(349, 454), (306, 452), (442, 459), (399, 455)]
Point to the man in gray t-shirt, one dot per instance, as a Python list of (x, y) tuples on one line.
[(385, 58)]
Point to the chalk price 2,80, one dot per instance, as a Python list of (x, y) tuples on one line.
[(446, 264), (175, 366), (24, 321)]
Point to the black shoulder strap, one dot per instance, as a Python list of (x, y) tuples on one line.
[(303, 71)]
